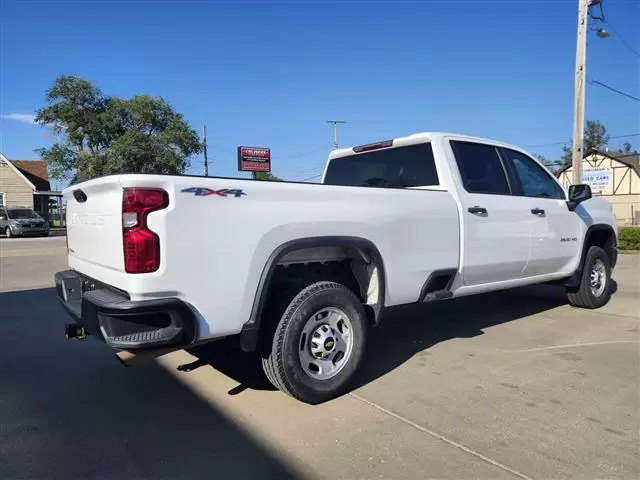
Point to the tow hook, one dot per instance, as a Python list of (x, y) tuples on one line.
[(75, 332)]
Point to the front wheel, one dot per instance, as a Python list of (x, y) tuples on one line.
[(318, 343), (595, 285), (8, 233)]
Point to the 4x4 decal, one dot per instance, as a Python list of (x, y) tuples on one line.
[(204, 192)]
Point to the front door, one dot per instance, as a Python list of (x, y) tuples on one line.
[(554, 229), (495, 225)]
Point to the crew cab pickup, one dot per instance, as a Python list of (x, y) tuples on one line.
[(301, 272)]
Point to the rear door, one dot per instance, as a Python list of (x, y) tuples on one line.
[(495, 225), (554, 229)]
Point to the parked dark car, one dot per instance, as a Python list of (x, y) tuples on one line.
[(22, 221)]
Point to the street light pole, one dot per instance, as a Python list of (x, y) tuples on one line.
[(579, 93)]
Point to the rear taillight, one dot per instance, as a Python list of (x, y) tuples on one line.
[(141, 246)]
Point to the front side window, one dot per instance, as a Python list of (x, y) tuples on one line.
[(534, 180), (400, 167), (480, 168)]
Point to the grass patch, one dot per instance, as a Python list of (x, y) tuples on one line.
[(629, 239)]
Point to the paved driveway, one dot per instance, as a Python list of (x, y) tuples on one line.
[(509, 385)]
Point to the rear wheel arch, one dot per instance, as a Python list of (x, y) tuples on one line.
[(250, 333)]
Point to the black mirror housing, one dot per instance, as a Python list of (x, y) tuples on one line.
[(577, 194)]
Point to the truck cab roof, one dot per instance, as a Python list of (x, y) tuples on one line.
[(418, 138)]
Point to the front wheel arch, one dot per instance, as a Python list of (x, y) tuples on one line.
[(602, 236)]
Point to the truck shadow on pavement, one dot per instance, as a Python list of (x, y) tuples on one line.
[(69, 410), (408, 330), (404, 332)]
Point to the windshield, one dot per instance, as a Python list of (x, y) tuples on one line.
[(17, 213), (400, 167)]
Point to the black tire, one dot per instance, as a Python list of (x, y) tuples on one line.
[(583, 296), (44, 234), (8, 233), (281, 362)]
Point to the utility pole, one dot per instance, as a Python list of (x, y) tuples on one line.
[(204, 145), (335, 131), (579, 92)]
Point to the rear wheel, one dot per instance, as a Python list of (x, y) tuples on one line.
[(318, 343), (594, 289)]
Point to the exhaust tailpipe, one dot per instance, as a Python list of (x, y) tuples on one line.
[(73, 331), (128, 358)]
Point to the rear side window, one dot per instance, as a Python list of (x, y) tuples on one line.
[(480, 168), (401, 167)]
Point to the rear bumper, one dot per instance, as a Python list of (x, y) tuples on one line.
[(110, 315)]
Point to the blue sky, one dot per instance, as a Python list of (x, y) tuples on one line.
[(267, 73)]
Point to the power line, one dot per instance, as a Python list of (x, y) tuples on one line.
[(622, 39), (295, 155), (302, 172), (309, 178), (619, 92), (569, 141), (614, 30)]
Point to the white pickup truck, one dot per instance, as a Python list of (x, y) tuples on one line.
[(301, 272)]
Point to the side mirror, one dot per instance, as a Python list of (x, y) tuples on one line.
[(577, 195)]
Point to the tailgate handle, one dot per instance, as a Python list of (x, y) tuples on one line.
[(80, 196)]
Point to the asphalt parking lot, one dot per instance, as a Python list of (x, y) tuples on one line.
[(514, 384)]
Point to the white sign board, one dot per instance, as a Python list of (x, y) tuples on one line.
[(597, 178)]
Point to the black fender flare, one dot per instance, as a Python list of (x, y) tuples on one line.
[(574, 279), (249, 335)]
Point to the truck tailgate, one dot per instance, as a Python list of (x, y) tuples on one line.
[(94, 223)]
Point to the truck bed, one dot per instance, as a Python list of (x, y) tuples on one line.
[(231, 227)]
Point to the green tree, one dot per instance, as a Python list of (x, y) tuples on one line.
[(595, 138), (101, 135), (267, 176), (628, 149), (552, 165)]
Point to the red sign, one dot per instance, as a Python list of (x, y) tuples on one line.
[(254, 159)]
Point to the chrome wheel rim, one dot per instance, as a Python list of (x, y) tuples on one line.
[(326, 343), (598, 277)]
